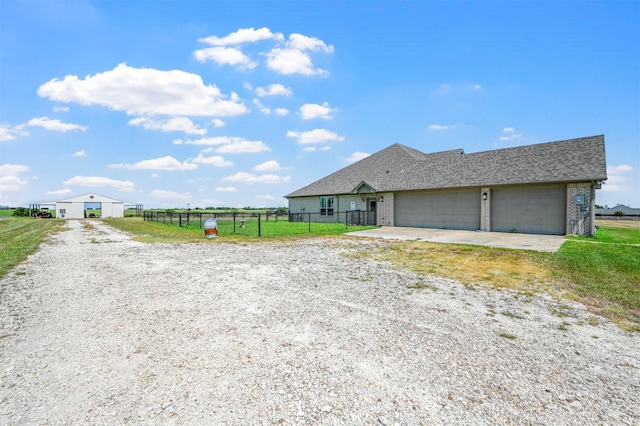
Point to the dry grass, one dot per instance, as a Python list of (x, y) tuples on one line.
[(491, 267), (634, 224)]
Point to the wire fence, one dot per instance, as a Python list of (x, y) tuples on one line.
[(266, 224)]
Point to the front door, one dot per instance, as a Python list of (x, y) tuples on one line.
[(372, 205)]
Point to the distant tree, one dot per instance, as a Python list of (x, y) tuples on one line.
[(598, 206), (21, 212), (619, 213)]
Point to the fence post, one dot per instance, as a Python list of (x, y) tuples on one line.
[(309, 222), (260, 226), (234, 222), (180, 219)]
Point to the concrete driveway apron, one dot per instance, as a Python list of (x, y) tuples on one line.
[(549, 243)]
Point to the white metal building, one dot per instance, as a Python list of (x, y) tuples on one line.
[(76, 207)]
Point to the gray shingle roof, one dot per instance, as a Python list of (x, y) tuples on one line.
[(400, 168)]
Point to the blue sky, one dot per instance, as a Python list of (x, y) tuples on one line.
[(199, 103)]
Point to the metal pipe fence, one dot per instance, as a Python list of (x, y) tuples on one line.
[(263, 224)]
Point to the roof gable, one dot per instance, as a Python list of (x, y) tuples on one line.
[(90, 198)]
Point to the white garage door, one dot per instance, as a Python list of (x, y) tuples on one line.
[(530, 210), (438, 209)]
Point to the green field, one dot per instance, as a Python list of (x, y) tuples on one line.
[(165, 232), (19, 237)]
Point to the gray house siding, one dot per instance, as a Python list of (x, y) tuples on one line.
[(300, 207), (456, 209), (529, 209)]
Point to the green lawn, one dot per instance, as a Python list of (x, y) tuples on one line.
[(608, 234), (19, 237), (165, 232), (605, 274)]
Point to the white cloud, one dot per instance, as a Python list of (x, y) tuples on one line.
[(9, 133), (291, 61), (9, 180), (357, 156), (59, 192), (509, 134), (294, 59), (225, 56), (437, 127), (311, 111), (145, 91), (216, 122), (216, 140), (274, 90), (159, 193), (11, 183), (314, 136), (225, 189), (61, 109), (243, 147), (301, 42), (54, 124), (619, 169), (263, 109), (97, 181), (242, 36), (216, 160), (281, 111), (167, 163), (228, 144), (251, 178), (314, 148), (12, 169), (268, 166), (616, 181), (80, 153), (176, 124), (233, 56), (265, 197)]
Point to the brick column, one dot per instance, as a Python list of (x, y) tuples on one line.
[(385, 214), (485, 209), (581, 222)]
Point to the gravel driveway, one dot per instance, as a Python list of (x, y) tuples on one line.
[(96, 328)]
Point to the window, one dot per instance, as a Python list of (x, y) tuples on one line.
[(326, 206), (63, 211)]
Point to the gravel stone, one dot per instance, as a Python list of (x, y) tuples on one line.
[(97, 328)]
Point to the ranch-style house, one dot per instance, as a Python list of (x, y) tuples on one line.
[(546, 188)]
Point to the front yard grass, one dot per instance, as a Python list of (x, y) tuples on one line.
[(19, 237), (147, 231)]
